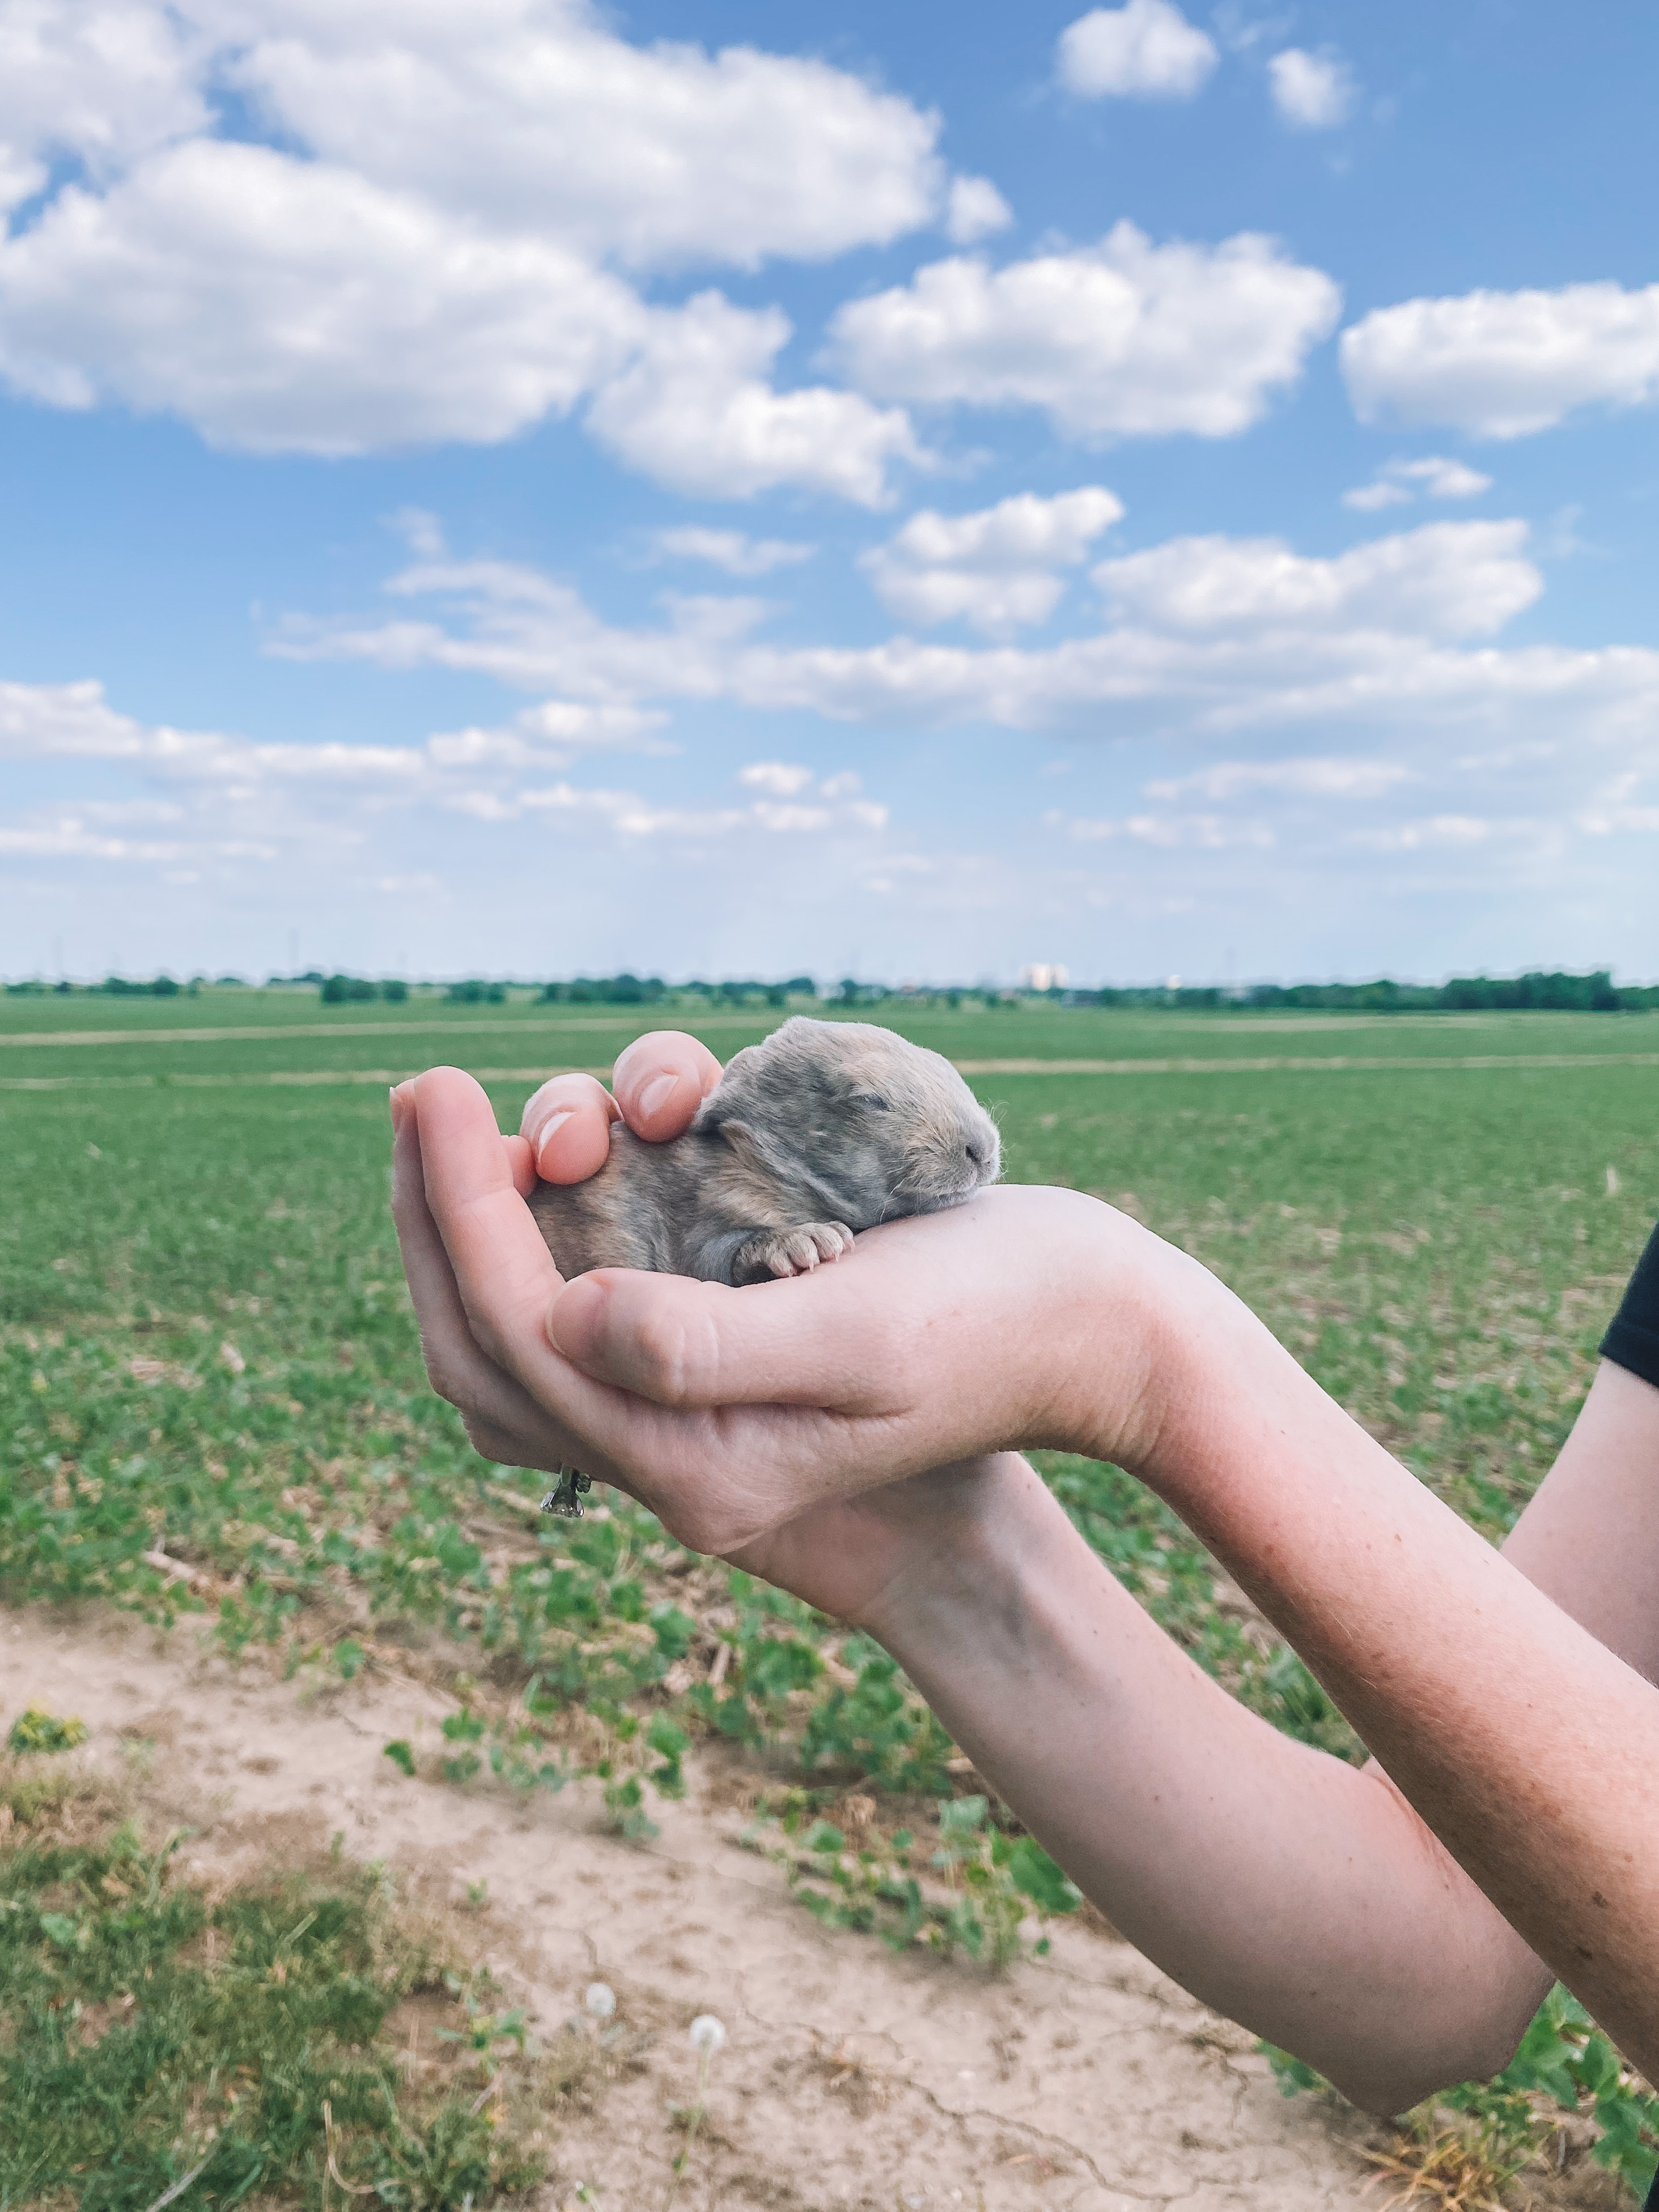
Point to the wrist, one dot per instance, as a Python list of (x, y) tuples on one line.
[(952, 1539), (1122, 1318)]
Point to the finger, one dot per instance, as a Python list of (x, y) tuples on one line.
[(457, 1369), (504, 1273), (520, 1165), (814, 1340), (660, 1080), (567, 1127)]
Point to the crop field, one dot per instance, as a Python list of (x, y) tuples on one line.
[(214, 1406)]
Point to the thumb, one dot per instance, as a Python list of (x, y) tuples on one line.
[(808, 1342)]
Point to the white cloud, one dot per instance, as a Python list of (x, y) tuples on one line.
[(1123, 339), (731, 549), (1208, 833), (695, 410), (70, 720), (1310, 777), (284, 305), (1445, 580), (975, 208), (996, 569), (632, 816), (784, 780), (1312, 91), (550, 733), (1505, 364), (1435, 476), (534, 114), (1208, 636), (103, 84), (1438, 830), (1146, 51), (1388, 757), (780, 779), (430, 249)]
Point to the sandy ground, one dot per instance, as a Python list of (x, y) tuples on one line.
[(852, 2078)]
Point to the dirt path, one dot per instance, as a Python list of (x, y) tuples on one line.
[(852, 2078)]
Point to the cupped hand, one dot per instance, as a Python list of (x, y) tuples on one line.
[(750, 1419)]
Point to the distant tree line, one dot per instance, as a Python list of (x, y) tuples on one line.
[(1551, 992), (1537, 992), (112, 986), (356, 990)]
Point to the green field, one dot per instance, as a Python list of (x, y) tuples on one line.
[(1440, 1240), (207, 1356)]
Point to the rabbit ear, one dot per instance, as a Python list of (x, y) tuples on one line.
[(760, 1154), (728, 1096)]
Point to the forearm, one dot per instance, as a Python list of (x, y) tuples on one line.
[(1529, 1748), (1288, 1890)]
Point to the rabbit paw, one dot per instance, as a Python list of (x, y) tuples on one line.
[(779, 1252)]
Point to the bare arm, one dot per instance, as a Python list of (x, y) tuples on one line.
[(1291, 1891), (1529, 1747), (1298, 1895)]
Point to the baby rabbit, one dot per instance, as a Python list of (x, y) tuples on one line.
[(826, 1129)]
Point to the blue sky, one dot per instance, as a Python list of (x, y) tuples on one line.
[(521, 490)]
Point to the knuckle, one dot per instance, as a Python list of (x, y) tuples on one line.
[(677, 1349), (662, 1353)]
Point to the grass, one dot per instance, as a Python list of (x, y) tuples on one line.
[(212, 1402), (250, 2045)]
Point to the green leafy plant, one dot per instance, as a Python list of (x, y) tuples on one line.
[(35, 1730), (973, 1894)]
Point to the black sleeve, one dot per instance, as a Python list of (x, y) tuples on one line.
[(1632, 1341)]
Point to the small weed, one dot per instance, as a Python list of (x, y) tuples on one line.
[(1461, 2167), (1476, 2137), (34, 1730), (485, 2032), (706, 2036)]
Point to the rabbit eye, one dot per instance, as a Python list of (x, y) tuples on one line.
[(870, 1099)]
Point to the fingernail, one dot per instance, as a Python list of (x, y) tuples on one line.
[(657, 1092), (395, 1106), (547, 1130)]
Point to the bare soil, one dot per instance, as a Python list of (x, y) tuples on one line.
[(852, 2078)]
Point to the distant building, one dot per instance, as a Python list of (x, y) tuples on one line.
[(1044, 975)]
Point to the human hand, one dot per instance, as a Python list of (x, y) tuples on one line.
[(657, 1085), (742, 1417)]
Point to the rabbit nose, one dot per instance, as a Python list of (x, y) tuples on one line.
[(978, 1150)]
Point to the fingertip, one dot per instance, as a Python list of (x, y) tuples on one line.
[(520, 1165), (571, 1319), (660, 1080), (567, 1125), (571, 1144)]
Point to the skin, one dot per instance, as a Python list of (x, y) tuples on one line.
[(848, 1436)]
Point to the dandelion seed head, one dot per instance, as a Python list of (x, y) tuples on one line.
[(600, 1999), (707, 2033)]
